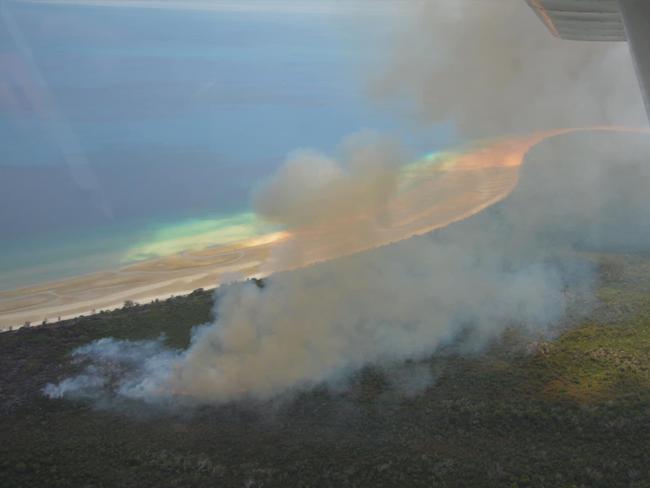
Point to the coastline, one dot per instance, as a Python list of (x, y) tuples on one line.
[(434, 194), (465, 192)]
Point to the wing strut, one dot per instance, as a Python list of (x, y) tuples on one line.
[(636, 17)]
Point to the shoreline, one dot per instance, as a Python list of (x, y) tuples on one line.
[(465, 185), (207, 269)]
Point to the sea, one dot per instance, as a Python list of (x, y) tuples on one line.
[(129, 132)]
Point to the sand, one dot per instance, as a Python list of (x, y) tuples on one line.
[(433, 194)]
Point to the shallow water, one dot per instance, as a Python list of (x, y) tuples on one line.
[(133, 133)]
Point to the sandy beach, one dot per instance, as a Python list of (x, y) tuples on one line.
[(433, 193)]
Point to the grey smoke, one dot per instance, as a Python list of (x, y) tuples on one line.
[(320, 197), (511, 266), (299, 195), (492, 68), (319, 324), (114, 363)]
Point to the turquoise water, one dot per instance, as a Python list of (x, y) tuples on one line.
[(134, 133)]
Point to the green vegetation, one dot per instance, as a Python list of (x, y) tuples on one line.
[(568, 412)]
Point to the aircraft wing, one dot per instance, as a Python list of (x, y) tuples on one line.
[(603, 20)]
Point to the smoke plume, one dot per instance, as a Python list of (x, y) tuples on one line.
[(317, 197), (490, 67)]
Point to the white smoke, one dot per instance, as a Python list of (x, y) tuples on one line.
[(492, 68), (340, 200), (312, 190), (319, 324), (488, 65)]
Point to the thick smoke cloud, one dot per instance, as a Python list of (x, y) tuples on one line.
[(341, 199), (300, 195), (515, 265), (320, 323), (492, 68)]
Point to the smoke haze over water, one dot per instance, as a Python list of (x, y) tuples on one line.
[(494, 72)]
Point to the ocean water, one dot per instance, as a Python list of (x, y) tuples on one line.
[(132, 133)]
